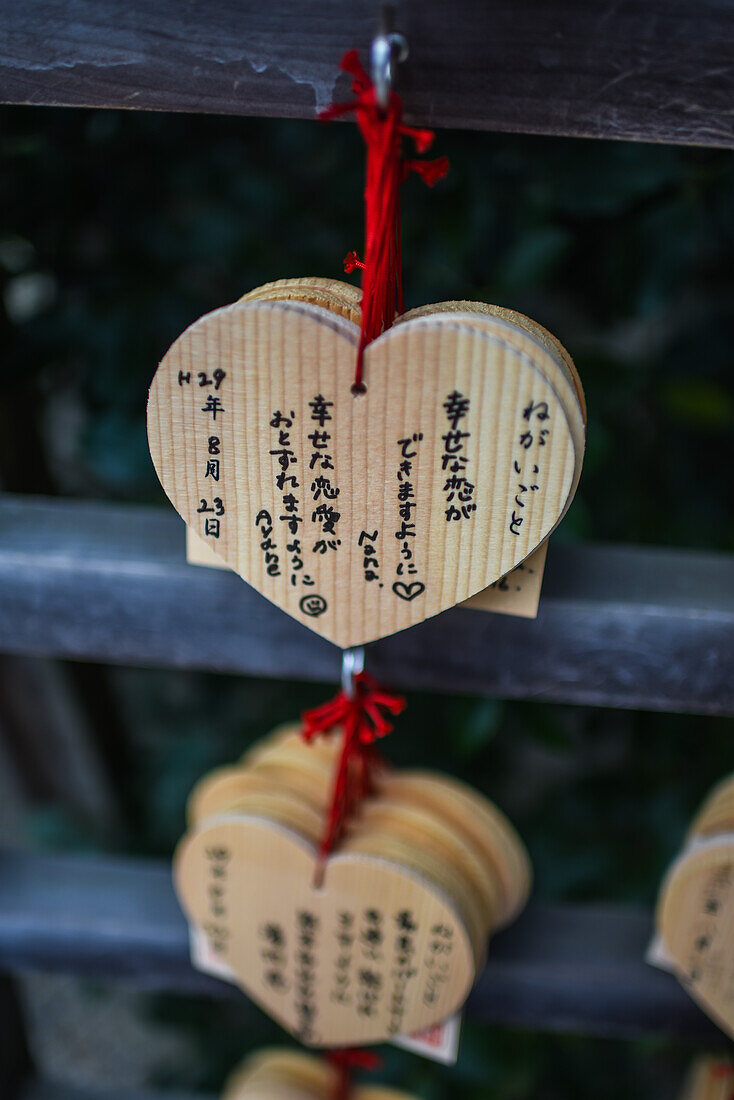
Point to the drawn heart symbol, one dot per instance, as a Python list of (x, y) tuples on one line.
[(303, 954), (408, 591), (363, 515)]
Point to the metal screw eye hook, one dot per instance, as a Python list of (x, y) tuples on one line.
[(352, 665), (386, 50)]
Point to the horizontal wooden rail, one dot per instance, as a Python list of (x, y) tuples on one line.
[(618, 626), (647, 70), (49, 1090), (559, 968)]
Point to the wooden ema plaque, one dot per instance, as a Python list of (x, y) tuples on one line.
[(695, 914), (362, 515), (374, 953), (392, 940), (697, 923), (282, 1074), (709, 1079)]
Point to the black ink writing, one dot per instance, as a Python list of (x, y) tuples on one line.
[(264, 521), (406, 532), (324, 492), (287, 482), (458, 489), (367, 540)]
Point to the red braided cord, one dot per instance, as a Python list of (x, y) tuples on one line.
[(383, 131), (363, 718)]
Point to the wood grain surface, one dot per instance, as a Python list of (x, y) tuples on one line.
[(696, 922), (362, 515)]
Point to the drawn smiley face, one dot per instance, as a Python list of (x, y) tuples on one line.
[(313, 605)]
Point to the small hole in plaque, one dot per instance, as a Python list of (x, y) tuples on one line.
[(358, 388)]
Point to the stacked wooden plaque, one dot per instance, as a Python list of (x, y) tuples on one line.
[(283, 1074), (709, 1079), (391, 942), (695, 912), (361, 515)]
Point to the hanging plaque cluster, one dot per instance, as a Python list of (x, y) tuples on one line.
[(392, 940), (709, 1079), (362, 515), (364, 469), (282, 1074), (695, 912)]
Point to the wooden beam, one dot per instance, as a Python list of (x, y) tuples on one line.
[(50, 1090), (645, 70), (559, 968), (618, 626)]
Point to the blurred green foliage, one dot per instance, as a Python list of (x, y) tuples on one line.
[(118, 229)]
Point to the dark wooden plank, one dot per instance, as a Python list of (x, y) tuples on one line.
[(50, 1090), (618, 626), (648, 70), (559, 968), (47, 735)]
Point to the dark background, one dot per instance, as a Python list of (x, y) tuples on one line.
[(117, 230)]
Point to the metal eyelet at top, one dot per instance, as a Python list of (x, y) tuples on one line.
[(387, 50), (352, 665)]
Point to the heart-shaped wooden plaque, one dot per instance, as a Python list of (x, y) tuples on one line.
[(362, 515), (696, 920), (375, 952)]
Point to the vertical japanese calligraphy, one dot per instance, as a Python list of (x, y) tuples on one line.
[(404, 969), (370, 988), (287, 483), (323, 492), (341, 991), (273, 947), (407, 567), (458, 489), (438, 962), (217, 926), (211, 508), (527, 471), (306, 959)]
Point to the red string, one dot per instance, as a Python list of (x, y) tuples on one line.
[(364, 718), (344, 1061), (383, 131)]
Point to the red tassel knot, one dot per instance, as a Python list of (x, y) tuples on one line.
[(364, 718), (344, 1061)]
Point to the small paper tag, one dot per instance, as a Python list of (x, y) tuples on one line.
[(658, 955), (516, 594), (204, 958), (198, 552), (439, 1043)]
